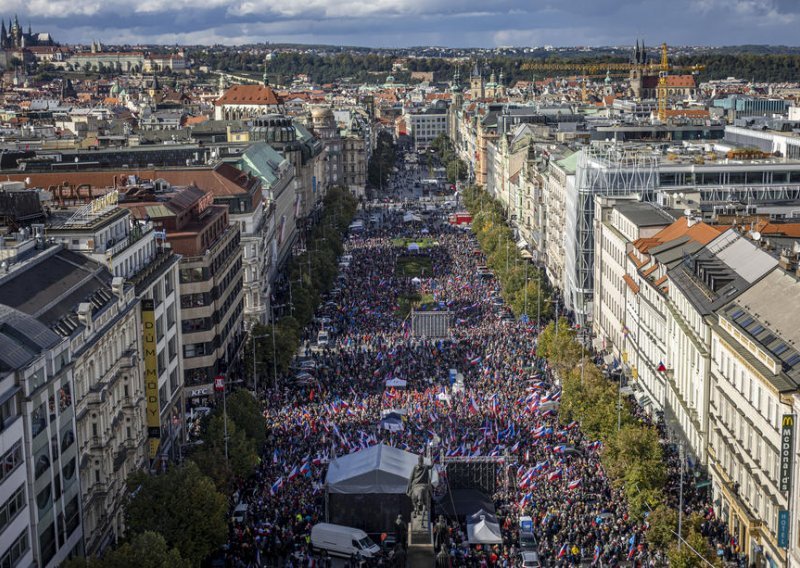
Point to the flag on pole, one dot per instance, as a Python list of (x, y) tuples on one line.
[(276, 486)]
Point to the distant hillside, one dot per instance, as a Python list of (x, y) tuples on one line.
[(750, 62)]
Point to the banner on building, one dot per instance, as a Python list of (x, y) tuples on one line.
[(787, 448), (783, 528), (150, 348)]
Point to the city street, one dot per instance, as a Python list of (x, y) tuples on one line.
[(508, 408)]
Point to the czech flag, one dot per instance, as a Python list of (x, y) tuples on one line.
[(276, 486), (305, 469), (575, 483), (292, 474), (476, 360), (554, 475), (562, 551), (661, 367)]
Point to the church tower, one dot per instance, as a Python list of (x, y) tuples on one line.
[(476, 86)]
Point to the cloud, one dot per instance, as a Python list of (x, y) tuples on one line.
[(396, 23)]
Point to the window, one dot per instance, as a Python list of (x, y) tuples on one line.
[(11, 507), (194, 350), (10, 460), (39, 419), (72, 515), (69, 470), (8, 410), (42, 465), (43, 498), (16, 551), (68, 439), (47, 543)]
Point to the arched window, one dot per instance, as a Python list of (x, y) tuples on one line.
[(42, 465)]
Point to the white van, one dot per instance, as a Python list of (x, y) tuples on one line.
[(240, 513), (344, 541)]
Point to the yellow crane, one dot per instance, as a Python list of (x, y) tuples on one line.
[(661, 69)]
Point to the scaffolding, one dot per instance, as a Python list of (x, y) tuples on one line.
[(484, 473), (608, 170)]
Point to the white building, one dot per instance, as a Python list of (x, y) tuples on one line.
[(701, 284), (755, 377), (40, 492), (559, 182), (425, 125)]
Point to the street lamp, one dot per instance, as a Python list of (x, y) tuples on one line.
[(253, 341)]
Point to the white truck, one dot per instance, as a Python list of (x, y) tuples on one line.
[(343, 541)]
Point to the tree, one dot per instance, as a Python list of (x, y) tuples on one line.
[(558, 345), (145, 550), (183, 506), (244, 411), (210, 456), (685, 557), (663, 526)]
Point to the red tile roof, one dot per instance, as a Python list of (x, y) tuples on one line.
[(249, 95)]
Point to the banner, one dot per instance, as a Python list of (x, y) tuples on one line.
[(783, 528), (149, 341), (787, 447)]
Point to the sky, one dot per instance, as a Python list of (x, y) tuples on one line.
[(406, 23)]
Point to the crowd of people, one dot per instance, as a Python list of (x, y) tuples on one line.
[(506, 409), (547, 473)]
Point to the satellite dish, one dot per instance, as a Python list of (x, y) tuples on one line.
[(756, 236)]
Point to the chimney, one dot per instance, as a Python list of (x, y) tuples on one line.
[(787, 260), (118, 288), (85, 315)]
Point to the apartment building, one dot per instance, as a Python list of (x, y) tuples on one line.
[(558, 183), (707, 280), (96, 313), (755, 381), (424, 125), (15, 520), (210, 279), (40, 522), (132, 249)]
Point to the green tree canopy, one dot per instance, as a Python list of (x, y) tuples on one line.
[(143, 550), (183, 506)]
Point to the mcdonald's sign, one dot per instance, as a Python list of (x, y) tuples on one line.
[(786, 451)]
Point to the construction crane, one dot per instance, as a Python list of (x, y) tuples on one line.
[(661, 69)]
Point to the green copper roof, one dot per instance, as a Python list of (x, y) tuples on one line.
[(263, 161), (570, 163)]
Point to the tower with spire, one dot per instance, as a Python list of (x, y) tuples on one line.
[(476, 85), (639, 60), (13, 36)]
